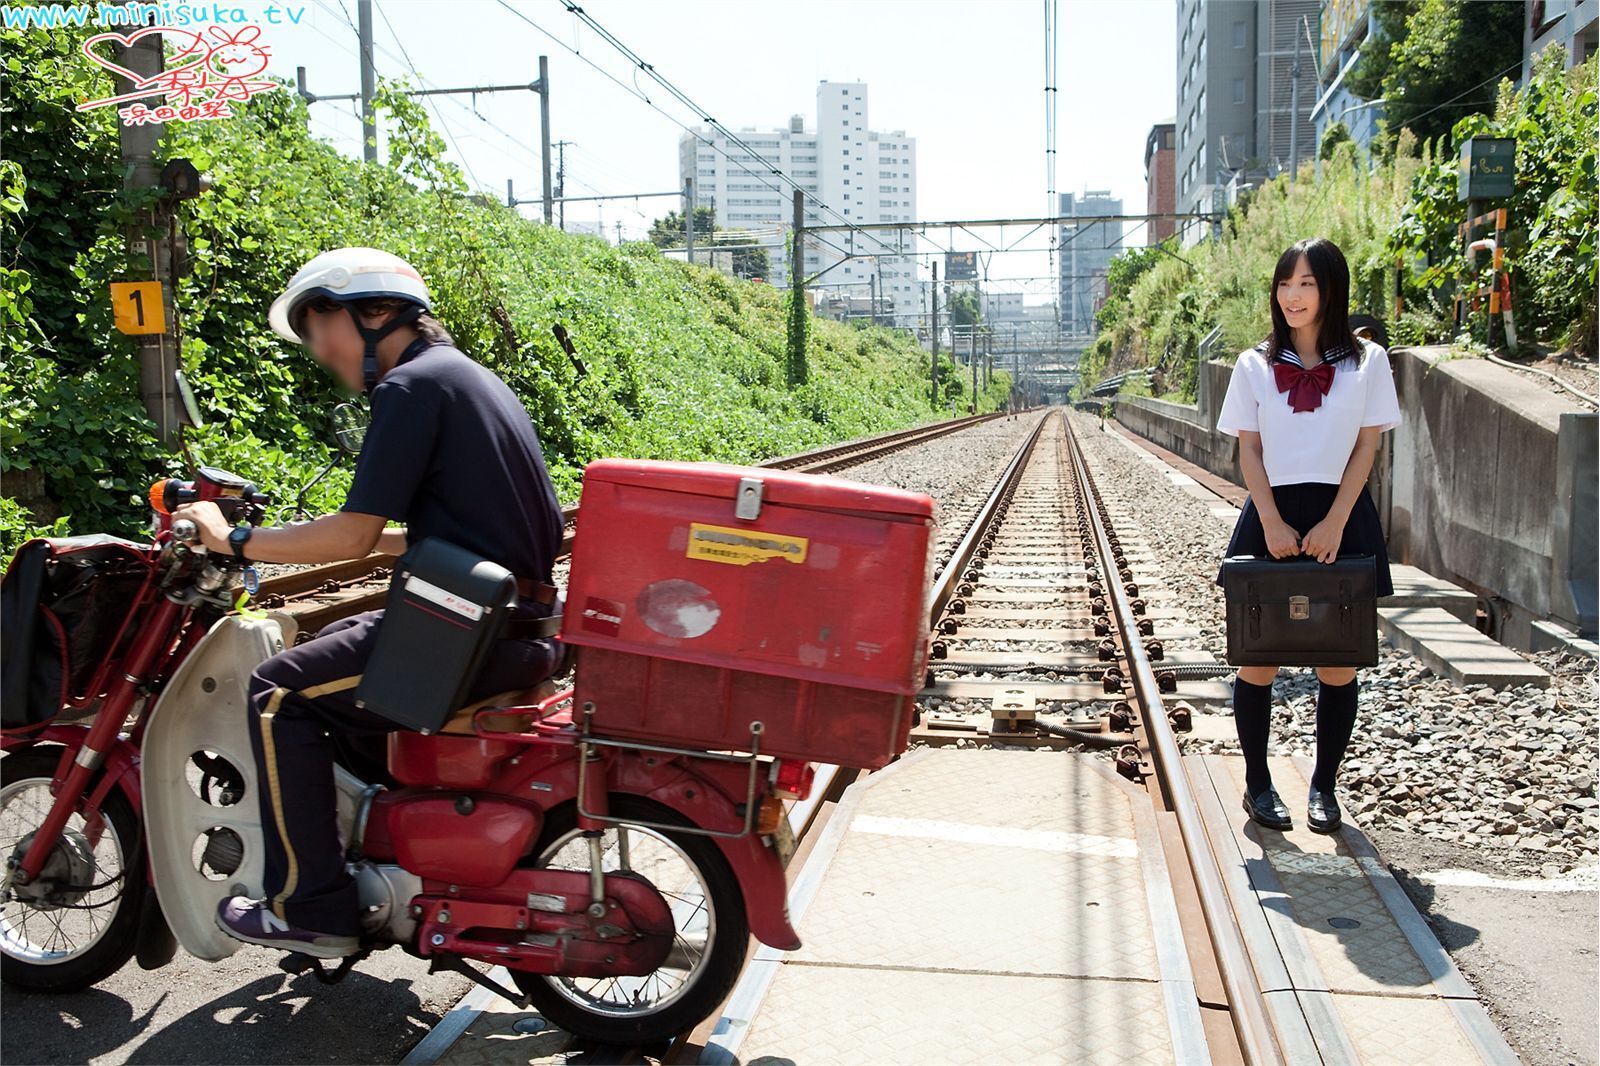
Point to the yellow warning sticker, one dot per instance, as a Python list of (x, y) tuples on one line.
[(741, 547)]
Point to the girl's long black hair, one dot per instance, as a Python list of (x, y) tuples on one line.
[(1333, 296)]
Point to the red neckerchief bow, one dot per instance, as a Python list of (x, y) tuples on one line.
[(1306, 388)]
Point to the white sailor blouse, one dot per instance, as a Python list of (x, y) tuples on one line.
[(1309, 419)]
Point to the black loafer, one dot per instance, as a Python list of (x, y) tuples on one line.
[(1268, 810), (1322, 812)]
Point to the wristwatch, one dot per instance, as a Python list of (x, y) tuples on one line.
[(237, 539)]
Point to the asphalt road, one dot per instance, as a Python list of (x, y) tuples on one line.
[(241, 1010)]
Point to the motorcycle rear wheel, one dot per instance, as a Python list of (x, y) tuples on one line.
[(78, 923), (713, 932)]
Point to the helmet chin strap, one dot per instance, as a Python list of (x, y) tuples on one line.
[(371, 337)]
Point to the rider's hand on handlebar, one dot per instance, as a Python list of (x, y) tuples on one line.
[(207, 517)]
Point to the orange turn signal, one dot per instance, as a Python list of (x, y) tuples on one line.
[(769, 816), (158, 497)]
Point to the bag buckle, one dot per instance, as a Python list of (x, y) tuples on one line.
[(1299, 608)]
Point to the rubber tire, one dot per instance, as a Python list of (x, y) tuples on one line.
[(713, 984), (116, 946)]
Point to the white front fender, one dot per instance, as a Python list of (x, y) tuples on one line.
[(204, 709)]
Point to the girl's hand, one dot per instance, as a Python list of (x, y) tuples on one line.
[(1322, 543), (1282, 540)]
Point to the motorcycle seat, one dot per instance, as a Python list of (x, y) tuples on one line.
[(461, 722)]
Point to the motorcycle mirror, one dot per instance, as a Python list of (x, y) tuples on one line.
[(191, 409), (349, 427)]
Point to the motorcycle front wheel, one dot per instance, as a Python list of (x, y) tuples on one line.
[(709, 945), (77, 922)]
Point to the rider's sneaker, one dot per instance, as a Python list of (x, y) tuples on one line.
[(252, 921)]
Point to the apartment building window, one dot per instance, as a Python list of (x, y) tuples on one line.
[(1200, 102), (1238, 34), (1238, 90)]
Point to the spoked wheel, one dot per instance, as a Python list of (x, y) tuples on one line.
[(77, 923), (708, 947)]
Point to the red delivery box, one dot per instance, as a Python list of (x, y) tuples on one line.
[(708, 596)]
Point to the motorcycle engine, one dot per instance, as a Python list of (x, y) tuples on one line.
[(385, 894)]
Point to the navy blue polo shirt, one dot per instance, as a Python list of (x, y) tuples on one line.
[(452, 453)]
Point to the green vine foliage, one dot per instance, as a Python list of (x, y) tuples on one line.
[(1551, 216), (678, 361)]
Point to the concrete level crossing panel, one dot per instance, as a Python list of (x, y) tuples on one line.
[(969, 906), (1352, 972)]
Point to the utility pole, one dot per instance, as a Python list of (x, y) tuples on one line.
[(544, 135), (972, 357), (561, 180), (369, 80), (934, 372), (1294, 112), (619, 234), (872, 287), (144, 309), (688, 218), (797, 255)]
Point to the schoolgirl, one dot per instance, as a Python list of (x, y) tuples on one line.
[(1307, 405)]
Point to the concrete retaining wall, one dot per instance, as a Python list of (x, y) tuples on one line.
[(1489, 481)]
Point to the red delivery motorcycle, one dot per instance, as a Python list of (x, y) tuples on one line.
[(614, 874)]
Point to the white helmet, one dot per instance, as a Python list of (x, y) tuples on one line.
[(347, 274)]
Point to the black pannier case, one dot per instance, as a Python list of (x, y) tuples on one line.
[(446, 608)]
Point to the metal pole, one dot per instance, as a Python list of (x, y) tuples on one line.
[(797, 256), (369, 80), (561, 180), (544, 136), (934, 369), (1294, 112), (872, 287), (972, 357), (688, 218)]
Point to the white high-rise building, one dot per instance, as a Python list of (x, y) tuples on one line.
[(863, 175)]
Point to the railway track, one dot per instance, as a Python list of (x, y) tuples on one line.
[(1045, 604), (319, 595)]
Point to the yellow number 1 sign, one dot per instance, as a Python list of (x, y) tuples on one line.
[(138, 307)]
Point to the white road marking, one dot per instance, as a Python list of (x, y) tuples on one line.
[(999, 836), (1586, 879)]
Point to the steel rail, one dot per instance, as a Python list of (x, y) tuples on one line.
[(1246, 1002), (944, 586), (836, 456)]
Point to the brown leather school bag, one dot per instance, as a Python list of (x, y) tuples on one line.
[(1301, 612)]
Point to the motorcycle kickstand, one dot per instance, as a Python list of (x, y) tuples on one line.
[(455, 964), (297, 962)]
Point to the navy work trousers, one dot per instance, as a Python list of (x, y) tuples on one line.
[(302, 715)]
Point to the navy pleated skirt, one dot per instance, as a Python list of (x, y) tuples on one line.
[(1303, 506)]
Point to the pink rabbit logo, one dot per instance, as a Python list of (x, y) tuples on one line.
[(234, 60)]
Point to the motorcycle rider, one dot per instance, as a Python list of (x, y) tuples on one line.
[(450, 452)]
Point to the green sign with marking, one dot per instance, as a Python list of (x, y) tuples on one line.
[(1488, 168)]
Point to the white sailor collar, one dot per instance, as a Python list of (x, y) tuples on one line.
[(1337, 354)]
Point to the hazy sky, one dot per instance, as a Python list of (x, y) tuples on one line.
[(965, 78)]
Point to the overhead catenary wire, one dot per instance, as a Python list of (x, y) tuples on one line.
[(700, 113)]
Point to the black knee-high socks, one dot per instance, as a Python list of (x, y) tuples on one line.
[(1252, 717), (1336, 720)]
